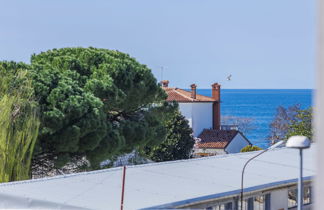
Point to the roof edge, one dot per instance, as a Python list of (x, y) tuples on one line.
[(183, 203), (130, 166), (238, 132)]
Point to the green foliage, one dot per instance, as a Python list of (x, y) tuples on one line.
[(19, 122), (280, 124), (95, 103), (250, 148), (301, 124), (178, 143), (291, 121)]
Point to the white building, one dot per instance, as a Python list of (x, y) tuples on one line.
[(202, 112), (210, 183), (218, 142)]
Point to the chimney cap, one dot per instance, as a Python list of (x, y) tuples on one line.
[(215, 85), (165, 83), (193, 85)]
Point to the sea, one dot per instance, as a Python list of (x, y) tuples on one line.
[(260, 105)]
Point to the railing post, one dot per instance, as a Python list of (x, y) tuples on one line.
[(123, 189)]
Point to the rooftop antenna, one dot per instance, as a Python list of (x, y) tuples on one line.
[(162, 68)]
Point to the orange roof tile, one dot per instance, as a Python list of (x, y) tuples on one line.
[(213, 145), (180, 95)]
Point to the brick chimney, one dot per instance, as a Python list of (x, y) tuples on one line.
[(193, 91), (216, 91), (165, 83), (216, 106)]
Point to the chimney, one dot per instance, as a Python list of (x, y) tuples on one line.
[(216, 106), (216, 91), (165, 83), (193, 91)]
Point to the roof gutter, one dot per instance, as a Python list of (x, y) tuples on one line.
[(203, 199)]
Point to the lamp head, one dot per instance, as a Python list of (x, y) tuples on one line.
[(298, 142)]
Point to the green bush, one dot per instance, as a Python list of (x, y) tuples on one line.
[(250, 148)]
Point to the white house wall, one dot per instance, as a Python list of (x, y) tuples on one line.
[(199, 115), (211, 151), (236, 144), (186, 111)]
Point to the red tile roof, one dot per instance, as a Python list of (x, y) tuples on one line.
[(216, 139), (212, 145), (180, 95)]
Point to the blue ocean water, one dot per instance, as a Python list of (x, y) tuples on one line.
[(260, 105)]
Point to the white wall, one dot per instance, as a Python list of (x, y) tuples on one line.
[(279, 199), (186, 111), (210, 151), (236, 144), (199, 115)]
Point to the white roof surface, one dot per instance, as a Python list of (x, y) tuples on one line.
[(158, 183)]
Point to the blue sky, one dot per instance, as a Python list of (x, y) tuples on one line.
[(263, 44)]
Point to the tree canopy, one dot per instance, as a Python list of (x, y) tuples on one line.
[(301, 124), (291, 121), (178, 144), (95, 103), (280, 124)]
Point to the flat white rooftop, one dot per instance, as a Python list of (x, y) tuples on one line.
[(158, 184)]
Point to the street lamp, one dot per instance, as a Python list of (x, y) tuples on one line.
[(299, 142), (242, 179)]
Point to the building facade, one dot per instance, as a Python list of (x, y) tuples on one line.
[(282, 197), (218, 142), (202, 112), (204, 117)]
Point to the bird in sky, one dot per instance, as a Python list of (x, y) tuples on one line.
[(229, 77)]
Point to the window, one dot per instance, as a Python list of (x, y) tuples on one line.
[(223, 206), (259, 202), (293, 194), (249, 204), (267, 201), (229, 206), (292, 198), (307, 195)]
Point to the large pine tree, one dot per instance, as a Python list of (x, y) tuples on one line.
[(95, 103)]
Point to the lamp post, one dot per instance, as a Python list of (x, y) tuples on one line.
[(242, 178), (299, 142)]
